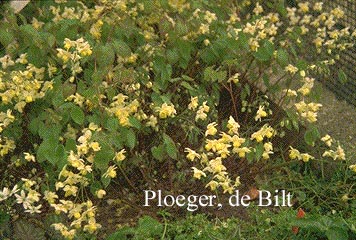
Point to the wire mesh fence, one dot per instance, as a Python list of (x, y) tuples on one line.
[(347, 61)]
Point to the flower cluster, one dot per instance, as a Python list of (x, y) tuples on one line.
[(122, 109), (224, 148), (166, 110), (308, 111), (21, 87), (295, 154), (337, 154), (72, 54), (73, 178)]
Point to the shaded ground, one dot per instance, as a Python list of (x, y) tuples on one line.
[(338, 119)]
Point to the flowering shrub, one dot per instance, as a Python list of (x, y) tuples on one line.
[(90, 89)]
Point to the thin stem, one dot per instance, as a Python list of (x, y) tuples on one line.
[(127, 179)]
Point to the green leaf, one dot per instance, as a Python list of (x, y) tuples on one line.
[(122, 233), (158, 152), (30, 35), (265, 52), (149, 227), (104, 55), (135, 122), (6, 35), (172, 56), (121, 48), (131, 138), (105, 181), (187, 86), (36, 56), (112, 124), (34, 125), (311, 135), (259, 151), (49, 150), (24, 230), (77, 114), (59, 156), (211, 75), (337, 233), (70, 145), (4, 219), (342, 76), (103, 157), (282, 57), (171, 148)]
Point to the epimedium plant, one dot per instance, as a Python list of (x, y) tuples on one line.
[(93, 88)]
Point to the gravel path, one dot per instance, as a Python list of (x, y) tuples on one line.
[(338, 119)]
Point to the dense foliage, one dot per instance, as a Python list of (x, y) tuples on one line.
[(154, 95)]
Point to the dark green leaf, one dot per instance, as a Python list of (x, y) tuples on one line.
[(311, 135), (131, 138), (77, 114), (135, 122), (103, 157), (259, 151), (171, 148), (265, 52), (337, 233)]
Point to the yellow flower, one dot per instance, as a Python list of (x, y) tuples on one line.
[(29, 157), (100, 193), (198, 173), (68, 44), (258, 136), (28, 99), (191, 154), (50, 196), (213, 185), (110, 172), (306, 157), (119, 156), (327, 140), (70, 190), (210, 129), (304, 7), (294, 153), (95, 146), (318, 6), (237, 141), (258, 9), (291, 69), (166, 110), (353, 168), (260, 113), (340, 154), (152, 121), (193, 103), (233, 126), (132, 58), (216, 166), (77, 215), (241, 151)]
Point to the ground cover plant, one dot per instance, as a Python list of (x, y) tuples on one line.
[(101, 100)]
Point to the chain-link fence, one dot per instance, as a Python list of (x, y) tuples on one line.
[(345, 90)]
